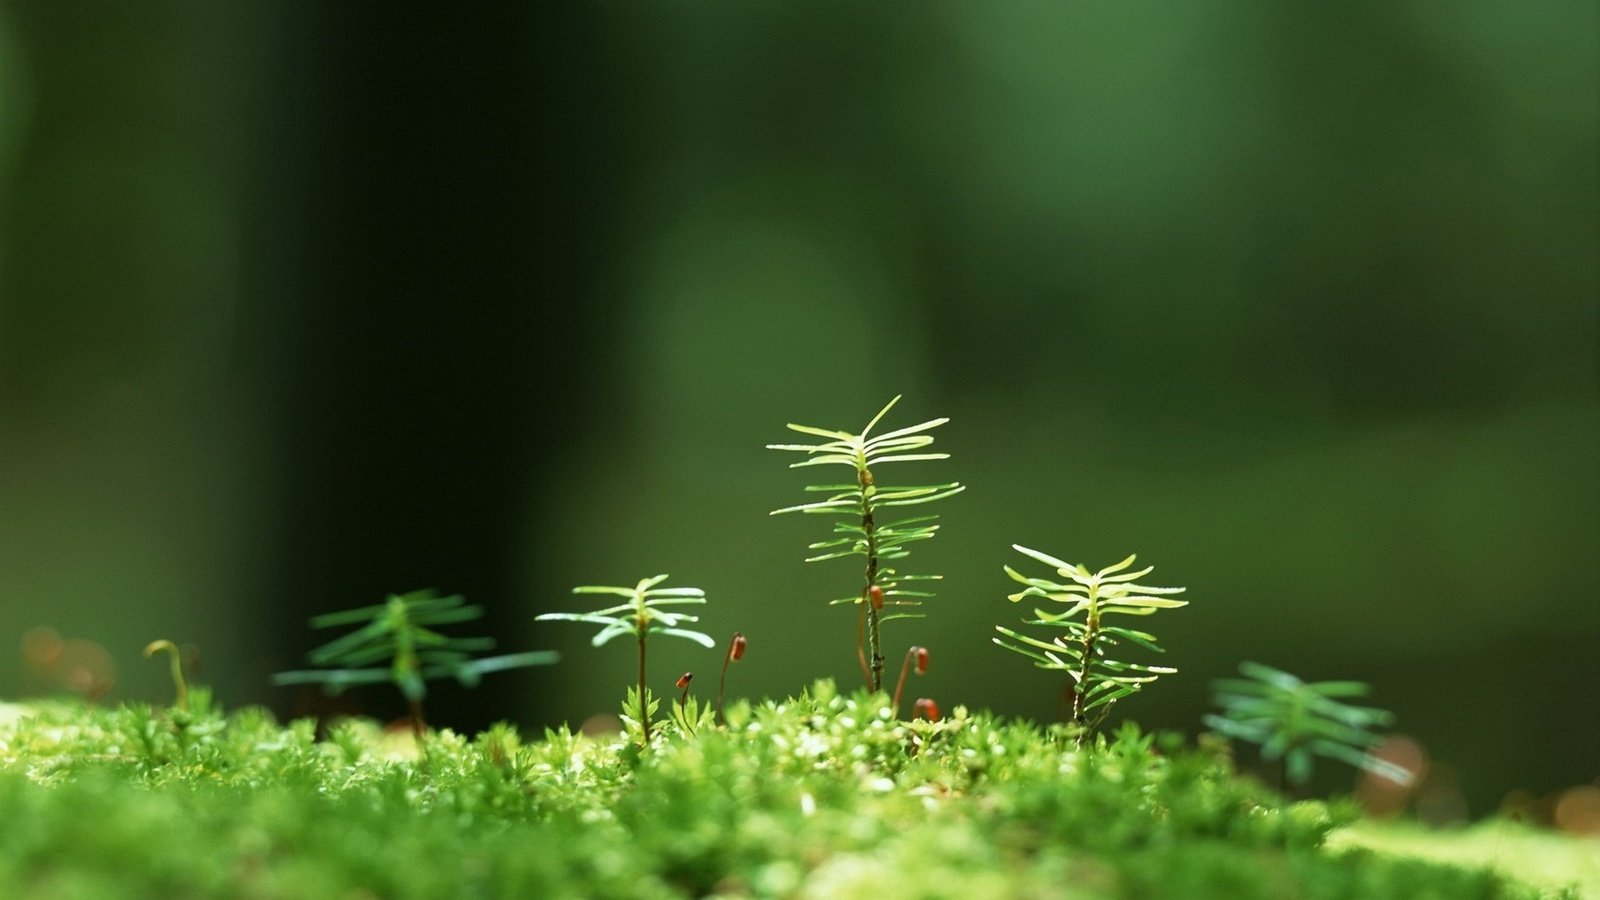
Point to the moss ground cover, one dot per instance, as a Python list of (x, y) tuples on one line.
[(1538, 856), (822, 795)]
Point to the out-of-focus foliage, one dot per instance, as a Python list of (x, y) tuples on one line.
[(401, 634), (1294, 721)]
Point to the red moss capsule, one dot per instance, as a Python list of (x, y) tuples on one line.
[(927, 709), (736, 647), (876, 593), (684, 679), (920, 654)]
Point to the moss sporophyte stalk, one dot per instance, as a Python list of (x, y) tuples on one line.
[(175, 662), (736, 648), (916, 660)]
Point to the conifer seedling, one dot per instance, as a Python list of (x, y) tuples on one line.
[(1098, 679), (862, 531), (641, 616), (398, 631), (1293, 721)]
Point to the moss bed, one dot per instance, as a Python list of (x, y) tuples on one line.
[(823, 795)]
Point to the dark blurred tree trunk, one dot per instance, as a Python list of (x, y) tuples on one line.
[(434, 181)]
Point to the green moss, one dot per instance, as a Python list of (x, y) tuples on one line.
[(822, 795), (1539, 857)]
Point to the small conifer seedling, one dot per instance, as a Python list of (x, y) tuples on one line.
[(398, 632), (1098, 679), (1293, 721), (641, 616), (863, 531)]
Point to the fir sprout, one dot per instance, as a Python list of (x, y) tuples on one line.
[(641, 616), (398, 631), (1098, 680), (175, 660), (862, 533), (1294, 721)]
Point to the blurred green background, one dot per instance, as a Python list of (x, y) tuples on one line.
[(304, 304)]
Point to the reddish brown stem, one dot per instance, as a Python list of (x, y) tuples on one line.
[(917, 655), (861, 634), (735, 653)]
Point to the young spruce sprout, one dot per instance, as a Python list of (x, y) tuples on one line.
[(1098, 680), (1294, 720), (398, 632), (641, 616), (916, 658), (862, 505), (736, 646), (175, 659)]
